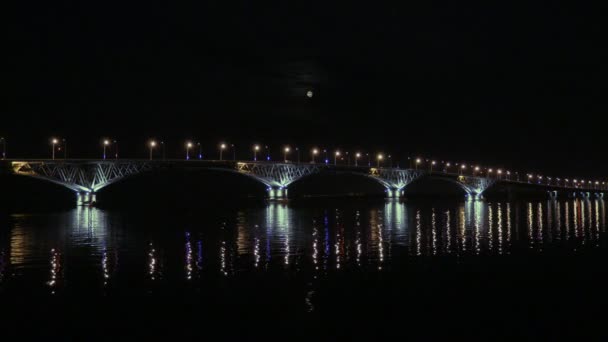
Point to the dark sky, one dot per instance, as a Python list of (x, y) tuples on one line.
[(521, 87)]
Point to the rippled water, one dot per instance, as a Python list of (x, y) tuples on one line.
[(305, 249)]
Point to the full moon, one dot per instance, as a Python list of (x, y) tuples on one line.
[(309, 93)]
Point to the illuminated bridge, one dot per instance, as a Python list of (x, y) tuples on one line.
[(87, 177)]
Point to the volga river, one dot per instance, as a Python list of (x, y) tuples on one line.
[(325, 269)]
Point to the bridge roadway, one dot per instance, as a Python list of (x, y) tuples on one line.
[(86, 177)]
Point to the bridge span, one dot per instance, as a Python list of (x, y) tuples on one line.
[(86, 177)]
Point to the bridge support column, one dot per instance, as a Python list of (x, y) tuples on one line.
[(277, 193), (393, 193), (85, 198)]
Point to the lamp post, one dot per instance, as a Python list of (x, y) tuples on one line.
[(162, 146), (267, 153), (65, 148), (447, 166), (115, 142), (286, 150), (462, 169), (432, 164), (475, 170), (326, 158), (256, 148), (152, 146), (233, 151), (53, 143), (336, 157), (379, 159), (298, 154), (357, 156), (314, 154), (200, 151), (222, 148), (188, 146), (418, 161), (106, 143), (3, 147)]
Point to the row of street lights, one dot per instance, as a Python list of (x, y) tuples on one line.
[(106, 143)]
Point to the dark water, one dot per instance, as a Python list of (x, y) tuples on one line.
[(326, 269)]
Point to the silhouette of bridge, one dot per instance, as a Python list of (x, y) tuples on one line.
[(86, 177)]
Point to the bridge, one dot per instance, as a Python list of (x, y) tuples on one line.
[(86, 177)]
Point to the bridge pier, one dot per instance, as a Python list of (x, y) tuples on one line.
[(277, 193), (85, 198), (393, 193)]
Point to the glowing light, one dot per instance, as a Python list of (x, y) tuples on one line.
[(418, 161), (463, 166), (222, 146), (476, 168), (309, 94), (358, 155), (189, 144), (256, 147), (106, 142), (315, 151), (54, 141), (337, 153), (433, 162), (380, 157), (286, 149), (499, 171), (152, 143)]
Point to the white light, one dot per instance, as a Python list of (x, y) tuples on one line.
[(223, 146), (256, 147), (106, 142), (309, 94), (152, 143)]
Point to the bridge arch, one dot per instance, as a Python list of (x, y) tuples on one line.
[(471, 187), (329, 181)]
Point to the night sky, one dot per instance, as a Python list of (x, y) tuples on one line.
[(519, 87)]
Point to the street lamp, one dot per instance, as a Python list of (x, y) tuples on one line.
[(222, 148), (188, 146), (106, 143), (418, 161), (462, 167), (336, 157), (53, 143), (3, 147), (357, 156), (499, 172), (65, 148), (285, 151), (379, 159), (256, 148), (152, 146), (115, 142), (476, 170), (298, 154), (432, 164), (233, 151), (447, 166), (200, 151), (314, 153)]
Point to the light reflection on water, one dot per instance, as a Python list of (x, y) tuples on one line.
[(52, 250)]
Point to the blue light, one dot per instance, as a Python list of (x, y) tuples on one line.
[(200, 156), (268, 158)]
